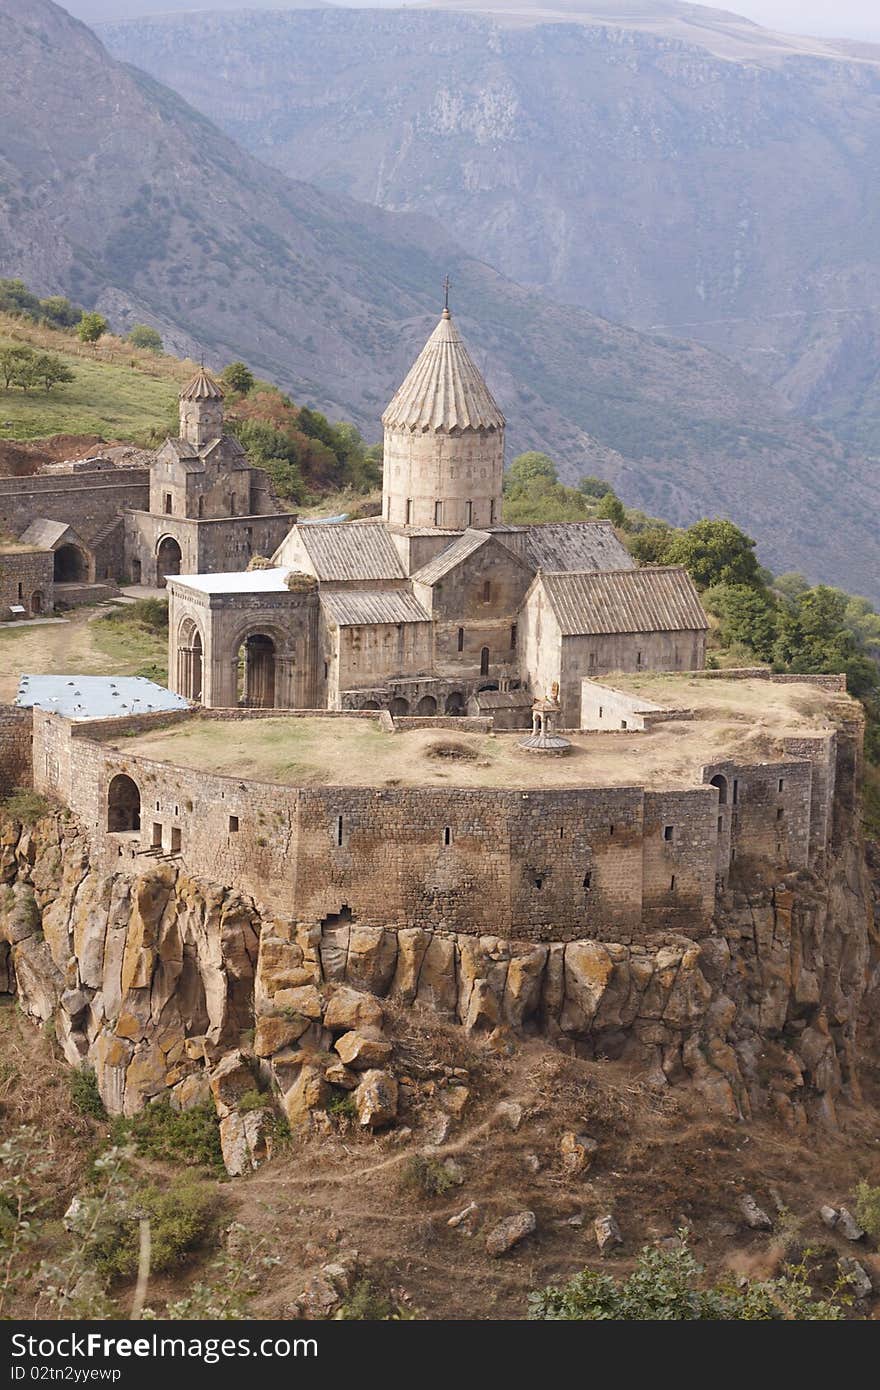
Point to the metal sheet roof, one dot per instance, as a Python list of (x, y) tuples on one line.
[(351, 550), (361, 607), (576, 545), (638, 600), (96, 697), (237, 581)]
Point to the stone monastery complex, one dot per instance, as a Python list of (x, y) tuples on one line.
[(342, 788)]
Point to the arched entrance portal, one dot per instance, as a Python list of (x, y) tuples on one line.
[(168, 558), (256, 672), (189, 661), (721, 783), (455, 703), (70, 565), (123, 804), (426, 706)]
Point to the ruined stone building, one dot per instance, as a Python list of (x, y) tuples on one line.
[(76, 530), (437, 602)]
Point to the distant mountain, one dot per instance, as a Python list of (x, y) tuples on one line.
[(116, 192), (669, 166)]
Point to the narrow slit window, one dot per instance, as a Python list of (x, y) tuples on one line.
[(487, 591), (781, 784), (735, 791), (513, 637), (780, 813), (339, 829), (461, 639), (447, 835), (588, 881), (669, 832), (672, 884)]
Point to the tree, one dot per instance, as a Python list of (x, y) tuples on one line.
[(748, 617), (714, 552), (527, 468), (594, 487), (651, 546), (143, 336), (59, 312), (15, 361), (612, 509), (91, 327), (49, 370), (16, 298), (238, 377)]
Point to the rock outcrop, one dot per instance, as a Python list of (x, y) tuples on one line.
[(166, 983)]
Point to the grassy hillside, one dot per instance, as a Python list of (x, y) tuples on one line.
[(118, 391)]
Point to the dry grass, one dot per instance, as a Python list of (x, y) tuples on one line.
[(741, 719), (79, 646)]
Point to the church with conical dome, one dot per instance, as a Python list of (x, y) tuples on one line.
[(437, 607)]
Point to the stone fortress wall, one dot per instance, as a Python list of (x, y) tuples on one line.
[(530, 864)]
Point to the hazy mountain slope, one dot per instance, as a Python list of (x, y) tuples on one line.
[(725, 188), (118, 193)]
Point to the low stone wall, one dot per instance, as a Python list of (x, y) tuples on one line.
[(16, 739)]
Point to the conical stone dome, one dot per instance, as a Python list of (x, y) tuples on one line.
[(202, 388), (444, 389), (443, 455)]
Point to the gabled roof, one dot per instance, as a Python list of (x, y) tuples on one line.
[(576, 545), (202, 388), (637, 600), (444, 390), (467, 544), (45, 534), (349, 550), (361, 607)]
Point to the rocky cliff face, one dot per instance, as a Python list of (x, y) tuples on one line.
[(165, 984)]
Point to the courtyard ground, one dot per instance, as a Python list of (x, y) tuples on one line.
[(83, 645)]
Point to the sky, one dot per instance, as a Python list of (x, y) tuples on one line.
[(857, 19)]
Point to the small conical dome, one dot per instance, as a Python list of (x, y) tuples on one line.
[(444, 390), (202, 388)]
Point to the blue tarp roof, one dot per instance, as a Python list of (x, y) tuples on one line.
[(96, 697)]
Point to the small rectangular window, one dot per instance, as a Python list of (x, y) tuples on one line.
[(461, 639), (623, 724), (668, 832), (233, 824), (638, 658), (672, 884), (168, 504), (438, 513), (735, 791), (781, 784), (720, 824), (588, 881), (611, 830), (408, 511), (487, 591), (780, 813), (469, 513), (601, 712)]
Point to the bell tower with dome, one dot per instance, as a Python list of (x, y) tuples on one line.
[(444, 441)]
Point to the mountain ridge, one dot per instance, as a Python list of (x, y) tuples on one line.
[(118, 193)]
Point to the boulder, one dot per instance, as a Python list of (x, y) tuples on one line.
[(607, 1233), (338, 1074), (858, 1278), (310, 1091), (588, 972), (510, 1232), (372, 955), (376, 1099), (412, 944), (454, 1100), (828, 1217), (510, 1113), (847, 1225), (522, 989), (230, 1079), (577, 1152), (274, 1031), (363, 1049), (303, 999), (350, 1009), (755, 1217), (465, 1220)]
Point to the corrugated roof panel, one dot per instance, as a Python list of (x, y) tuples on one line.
[(351, 550), (450, 557), (361, 607), (639, 600), (577, 545)]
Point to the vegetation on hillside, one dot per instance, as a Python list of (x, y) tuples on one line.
[(670, 1286)]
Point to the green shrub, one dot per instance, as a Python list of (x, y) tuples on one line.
[(143, 336), (84, 1094), (342, 1103), (868, 1208), (427, 1176), (187, 1136), (26, 805), (149, 613), (669, 1285), (180, 1218)]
